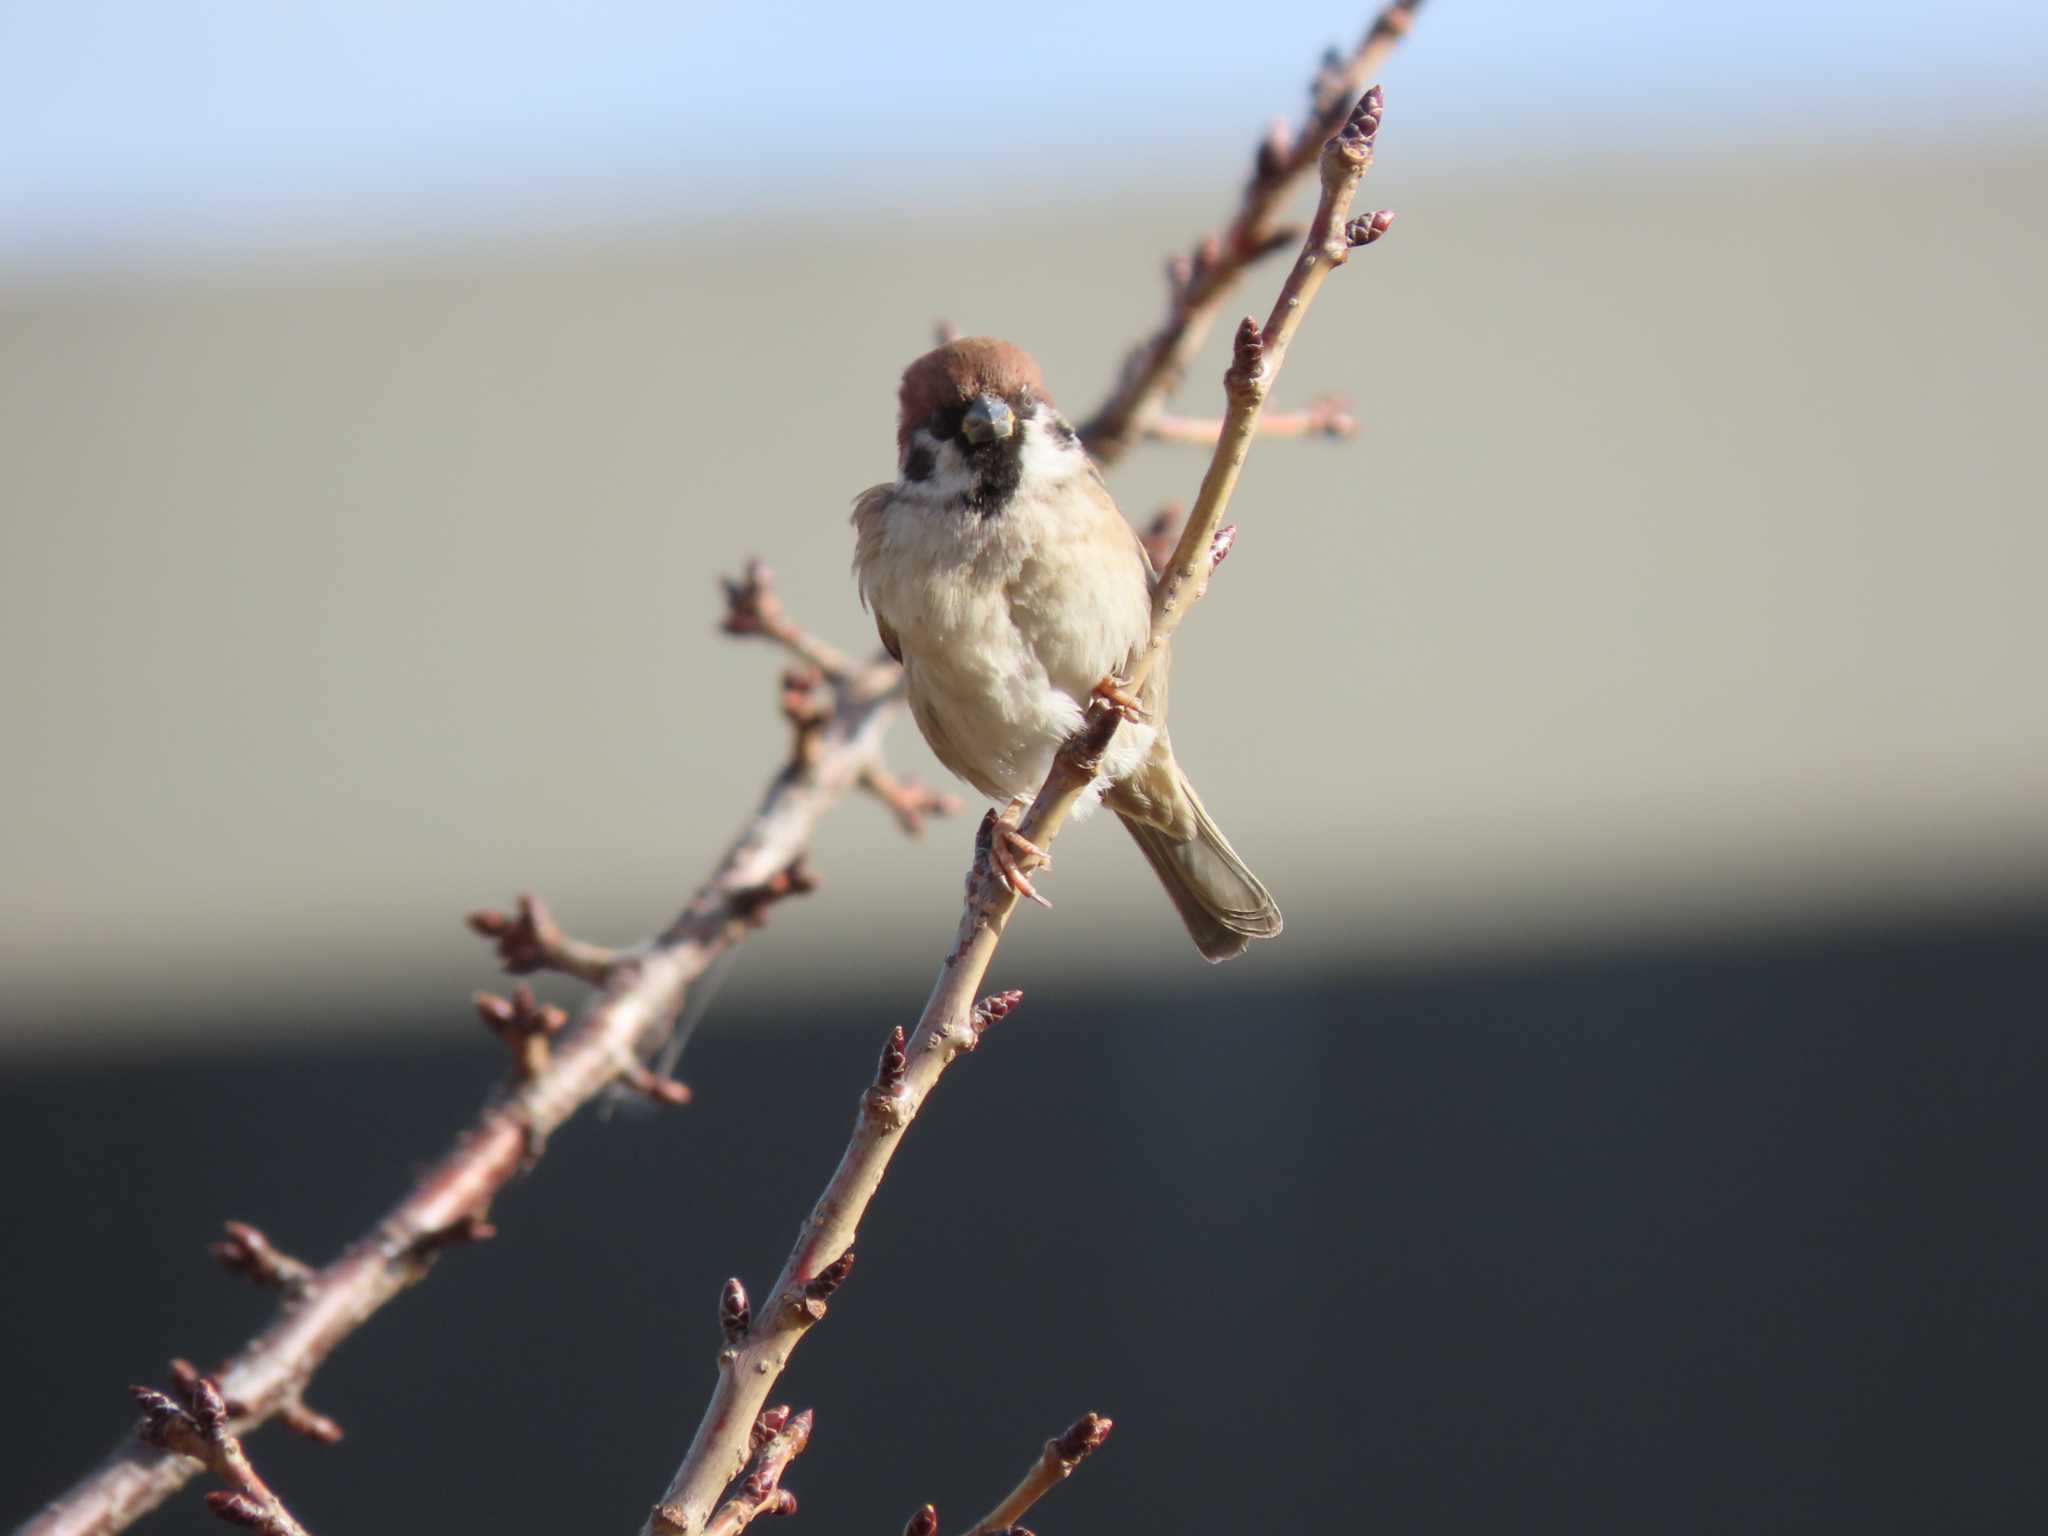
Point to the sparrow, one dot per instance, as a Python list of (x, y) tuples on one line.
[(1002, 576)]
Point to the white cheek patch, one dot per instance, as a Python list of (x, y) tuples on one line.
[(946, 478)]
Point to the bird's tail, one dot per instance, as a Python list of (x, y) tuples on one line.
[(1221, 901)]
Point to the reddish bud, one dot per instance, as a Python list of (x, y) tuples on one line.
[(769, 1424), (924, 1523), (301, 1420), (209, 1408), (735, 1314), (239, 1509), (889, 1071), (830, 1278), (1083, 1437), (994, 1008), (1369, 227), (161, 1414)]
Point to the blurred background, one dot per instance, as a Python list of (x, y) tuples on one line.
[(1641, 722)]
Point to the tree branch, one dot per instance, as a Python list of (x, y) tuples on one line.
[(1202, 280), (559, 1071), (758, 1347)]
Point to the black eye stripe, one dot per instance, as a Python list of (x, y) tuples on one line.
[(945, 423)]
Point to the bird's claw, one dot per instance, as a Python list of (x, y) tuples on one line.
[(1001, 848), (1113, 691)]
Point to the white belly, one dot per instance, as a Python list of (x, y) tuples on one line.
[(1006, 624)]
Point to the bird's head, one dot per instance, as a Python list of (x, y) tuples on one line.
[(975, 423)]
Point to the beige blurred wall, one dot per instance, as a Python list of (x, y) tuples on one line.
[(1687, 570)]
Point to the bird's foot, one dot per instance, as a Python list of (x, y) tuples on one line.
[(1114, 692), (1001, 849)]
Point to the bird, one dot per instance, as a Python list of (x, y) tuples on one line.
[(1002, 576)]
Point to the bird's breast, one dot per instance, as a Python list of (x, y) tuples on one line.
[(1007, 623)]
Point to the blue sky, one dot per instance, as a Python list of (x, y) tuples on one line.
[(134, 129)]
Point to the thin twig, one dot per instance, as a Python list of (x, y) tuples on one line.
[(528, 940), (1202, 280), (754, 1357), (1054, 1466), (1328, 417), (752, 608), (559, 1073)]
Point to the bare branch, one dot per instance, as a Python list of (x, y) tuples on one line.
[(817, 1266), (1202, 280), (953, 1020), (1054, 1466), (1256, 357), (561, 1069)]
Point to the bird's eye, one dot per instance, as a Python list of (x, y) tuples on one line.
[(945, 424)]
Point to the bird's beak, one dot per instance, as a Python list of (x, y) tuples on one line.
[(988, 420)]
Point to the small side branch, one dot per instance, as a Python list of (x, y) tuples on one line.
[(778, 1440), (1200, 281), (197, 1428), (528, 940), (1054, 1466), (752, 608), (1329, 416)]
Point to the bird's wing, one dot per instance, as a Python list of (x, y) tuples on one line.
[(868, 508)]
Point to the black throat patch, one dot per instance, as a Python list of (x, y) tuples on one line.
[(996, 468)]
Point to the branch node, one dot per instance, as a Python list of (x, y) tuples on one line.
[(528, 940), (750, 904), (525, 1024), (248, 1253), (1221, 546)]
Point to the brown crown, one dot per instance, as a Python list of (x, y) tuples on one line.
[(958, 371)]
